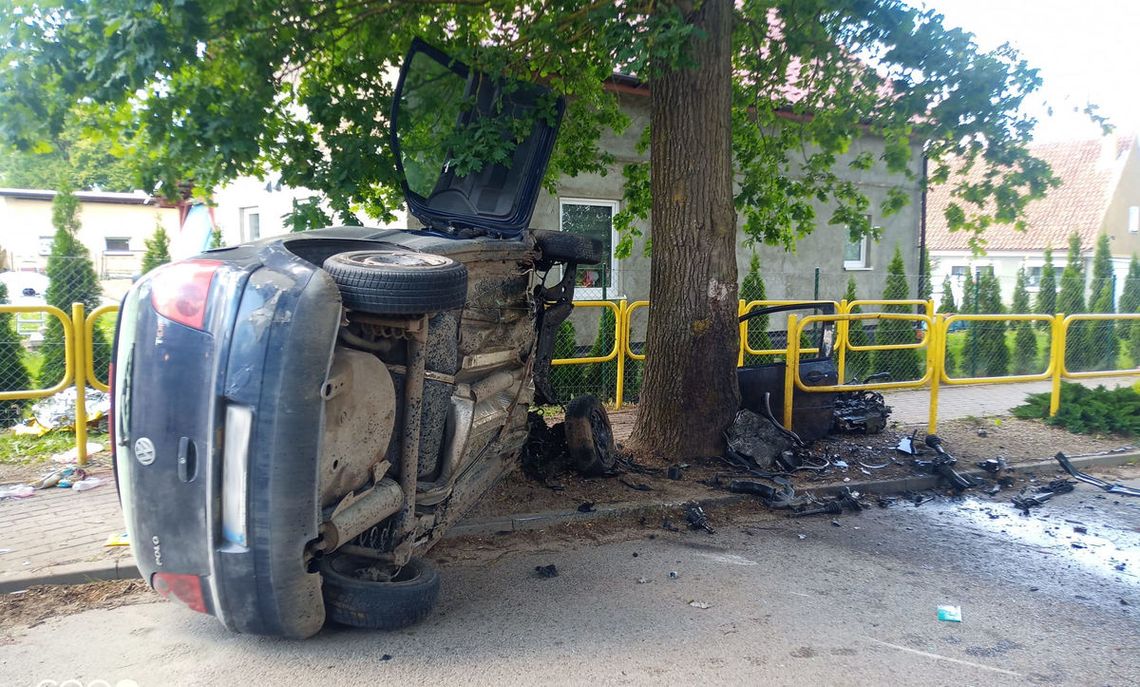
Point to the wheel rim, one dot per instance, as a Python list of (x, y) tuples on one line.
[(368, 570), (397, 259)]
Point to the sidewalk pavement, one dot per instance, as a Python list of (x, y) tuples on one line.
[(59, 535)]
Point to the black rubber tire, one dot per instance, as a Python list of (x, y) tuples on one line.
[(351, 600), (589, 436), (398, 282), (562, 246)]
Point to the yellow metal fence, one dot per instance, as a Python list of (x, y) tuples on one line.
[(932, 330), (79, 326)]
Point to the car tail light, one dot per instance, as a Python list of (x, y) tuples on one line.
[(235, 471), (179, 291), (181, 587)]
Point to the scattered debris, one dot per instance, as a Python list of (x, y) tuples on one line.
[(86, 484), (673, 574), (642, 580), (674, 472), (943, 465), (1107, 486), (841, 464), (1081, 529), (782, 496), (700, 604), (874, 467), (950, 614), (546, 571), (907, 446), (586, 507), (17, 491), (697, 518), (1057, 486), (118, 539), (983, 433), (802, 536), (993, 465), (386, 657), (668, 526), (756, 439), (835, 523), (861, 411), (636, 486)]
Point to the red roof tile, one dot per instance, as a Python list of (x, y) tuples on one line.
[(1089, 172)]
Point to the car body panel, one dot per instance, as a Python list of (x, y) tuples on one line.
[(438, 100)]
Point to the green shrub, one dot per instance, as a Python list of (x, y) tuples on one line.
[(947, 305), (73, 280), (901, 364), (1078, 342), (566, 379), (1088, 411), (858, 363), (753, 289), (1047, 288), (1102, 299), (157, 250)]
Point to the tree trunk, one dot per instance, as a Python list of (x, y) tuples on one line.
[(690, 391)]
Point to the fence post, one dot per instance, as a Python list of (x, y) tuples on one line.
[(841, 341), (621, 336), (791, 368), (1057, 354), (936, 351), (79, 351), (741, 306)]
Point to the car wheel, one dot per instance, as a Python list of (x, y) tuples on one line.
[(562, 246), (362, 592), (589, 437), (398, 282)]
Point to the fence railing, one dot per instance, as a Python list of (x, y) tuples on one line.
[(931, 332)]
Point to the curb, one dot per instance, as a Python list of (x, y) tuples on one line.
[(79, 573), (536, 521), (73, 573)]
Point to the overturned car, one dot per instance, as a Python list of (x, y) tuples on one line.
[(296, 420)]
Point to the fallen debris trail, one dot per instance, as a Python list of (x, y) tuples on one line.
[(1048, 598)]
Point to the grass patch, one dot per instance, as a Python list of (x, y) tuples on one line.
[(24, 449)]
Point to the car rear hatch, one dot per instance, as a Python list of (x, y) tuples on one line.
[(471, 149)]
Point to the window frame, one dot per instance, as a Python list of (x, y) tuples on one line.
[(244, 214), (864, 262), (598, 293), (108, 250)]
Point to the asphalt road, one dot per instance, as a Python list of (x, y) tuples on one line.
[(791, 602)]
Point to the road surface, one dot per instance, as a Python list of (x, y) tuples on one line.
[(790, 602)]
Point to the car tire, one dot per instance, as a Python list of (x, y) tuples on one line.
[(353, 600), (562, 246), (589, 436), (398, 282)]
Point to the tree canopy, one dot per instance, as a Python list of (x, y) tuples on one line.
[(755, 107), (202, 90)]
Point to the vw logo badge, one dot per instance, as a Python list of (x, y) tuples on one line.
[(144, 451)]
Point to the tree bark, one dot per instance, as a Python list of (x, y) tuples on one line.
[(690, 391)]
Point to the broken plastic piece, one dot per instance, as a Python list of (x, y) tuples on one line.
[(1057, 486), (1096, 482), (17, 491), (586, 507), (697, 518), (546, 570), (699, 604), (673, 574), (674, 472), (950, 614), (993, 465)]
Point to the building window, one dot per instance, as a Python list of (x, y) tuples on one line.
[(593, 218), (1033, 277), (117, 245), (1134, 219), (45, 244), (250, 224), (959, 272), (987, 270), (855, 254)]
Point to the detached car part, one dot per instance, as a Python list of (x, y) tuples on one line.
[(1096, 482), (943, 465)]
